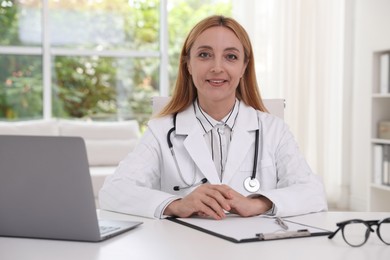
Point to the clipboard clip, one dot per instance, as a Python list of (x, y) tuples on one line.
[(286, 234)]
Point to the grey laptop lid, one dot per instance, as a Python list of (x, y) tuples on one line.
[(46, 190)]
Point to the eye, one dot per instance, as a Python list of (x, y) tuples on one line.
[(204, 55), (231, 57)]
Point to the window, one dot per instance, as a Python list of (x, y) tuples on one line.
[(96, 59)]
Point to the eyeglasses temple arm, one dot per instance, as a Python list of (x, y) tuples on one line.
[(334, 233)]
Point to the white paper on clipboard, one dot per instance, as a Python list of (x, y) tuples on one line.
[(239, 229)]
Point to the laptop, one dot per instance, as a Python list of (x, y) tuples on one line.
[(46, 191)]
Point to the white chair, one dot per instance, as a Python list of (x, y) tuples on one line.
[(275, 106)]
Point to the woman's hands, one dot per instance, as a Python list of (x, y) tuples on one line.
[(214, 200), (205, 200), (248, 206)]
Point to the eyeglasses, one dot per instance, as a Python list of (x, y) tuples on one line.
[(356, 231)]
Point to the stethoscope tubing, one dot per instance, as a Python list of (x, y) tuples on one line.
[(170, 145), (256, 155), (251, 184)]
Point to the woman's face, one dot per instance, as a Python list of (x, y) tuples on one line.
[(216, 65)]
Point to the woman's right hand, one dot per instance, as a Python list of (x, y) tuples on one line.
[(206, 200)]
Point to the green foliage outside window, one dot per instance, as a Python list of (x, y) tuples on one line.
[(104, 88), (20, 87), (83, 86)]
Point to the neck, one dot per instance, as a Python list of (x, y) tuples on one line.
[(217, 110)]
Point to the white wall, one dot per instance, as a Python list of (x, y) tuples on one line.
[(371, 33)]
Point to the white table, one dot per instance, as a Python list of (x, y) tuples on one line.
[(163, 239)]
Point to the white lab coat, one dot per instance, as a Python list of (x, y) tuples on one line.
[(143, 182)]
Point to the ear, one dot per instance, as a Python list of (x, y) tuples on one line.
[(189, 68), (243, 69)]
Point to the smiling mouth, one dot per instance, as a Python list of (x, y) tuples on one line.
[(216, 81)]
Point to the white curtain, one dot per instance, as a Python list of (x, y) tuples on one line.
[(299, 49)]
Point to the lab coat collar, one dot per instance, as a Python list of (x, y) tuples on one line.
[(209, 123), (243, 138), (246, 120)]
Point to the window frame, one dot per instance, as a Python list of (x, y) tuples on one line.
[(47, 52)]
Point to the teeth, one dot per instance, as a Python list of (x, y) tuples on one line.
[(217, 81)]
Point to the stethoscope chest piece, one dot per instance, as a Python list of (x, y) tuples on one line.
[(251, 185)]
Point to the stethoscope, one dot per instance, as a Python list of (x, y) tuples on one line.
[(251, 184)]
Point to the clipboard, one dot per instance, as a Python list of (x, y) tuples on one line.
[(253, 229)]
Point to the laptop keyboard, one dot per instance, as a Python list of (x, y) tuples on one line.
[(107, 229)]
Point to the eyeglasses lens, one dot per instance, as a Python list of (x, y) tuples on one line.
[(384, 231), (355, 233)]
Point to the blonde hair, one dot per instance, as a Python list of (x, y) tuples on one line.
[(185, 92)]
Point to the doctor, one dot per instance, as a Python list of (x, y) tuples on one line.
[(214, 148)]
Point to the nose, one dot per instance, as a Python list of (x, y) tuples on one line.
[(217, 66)]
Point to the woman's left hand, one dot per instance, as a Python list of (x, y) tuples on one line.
[(248, 206)]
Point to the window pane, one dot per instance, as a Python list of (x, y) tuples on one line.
[(20, 22), (182, 16), (105, 24), (104, 88), (20, 87)]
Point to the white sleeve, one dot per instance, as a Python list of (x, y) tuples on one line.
[(134, 188), (298, 190)]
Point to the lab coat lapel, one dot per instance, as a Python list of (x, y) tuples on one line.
[(196, 145), (238, 151), (199, 152), (242, 141)]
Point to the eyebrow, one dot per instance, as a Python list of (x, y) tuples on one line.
[(210, 48)]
